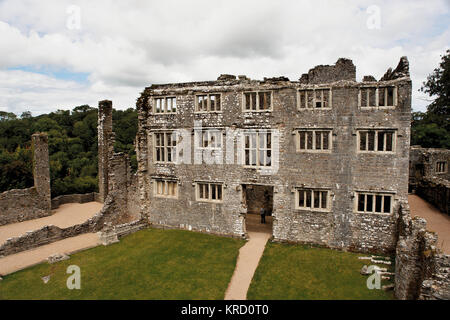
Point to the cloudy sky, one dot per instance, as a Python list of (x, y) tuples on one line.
[(60, 54)]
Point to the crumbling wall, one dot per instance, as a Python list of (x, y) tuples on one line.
[(25, 204), (133, 201), (426, 181), (344, 69), (436, 191), (436, 285), (110, 214), (74, 198), (421, 271), (105, 146)]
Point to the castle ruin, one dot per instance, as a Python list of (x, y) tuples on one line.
[(327, 156)]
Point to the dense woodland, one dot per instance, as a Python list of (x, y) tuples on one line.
[(72, 147), (73, 138)]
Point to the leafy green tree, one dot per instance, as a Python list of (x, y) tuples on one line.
[(72, 147), (432, 128)]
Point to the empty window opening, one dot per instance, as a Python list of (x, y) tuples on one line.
[(165, 188), (314, 99), (376, 140), (165, 105), (164, 146), (312, 199), (441, 167), (209, 192), (258, 101), (371, 97), (374, 203), (314, 140), (258, 149), (208, 103)]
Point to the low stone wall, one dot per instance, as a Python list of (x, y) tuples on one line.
[(111, 234), (436, 191), (421, 271), (19, 205), (110, 214), (75, 198)]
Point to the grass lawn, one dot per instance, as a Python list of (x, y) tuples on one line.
[(297, 272), (149, 264)]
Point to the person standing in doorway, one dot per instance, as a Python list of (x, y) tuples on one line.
[(263, 215)]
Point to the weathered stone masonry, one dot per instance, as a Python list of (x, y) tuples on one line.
[(429, 175), (421, 270), (342, 171), (105, 145), (24, 204), (114, 168)]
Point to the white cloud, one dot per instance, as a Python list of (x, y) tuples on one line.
[(125, 46)]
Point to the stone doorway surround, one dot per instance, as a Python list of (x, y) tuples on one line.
[(255, 196)]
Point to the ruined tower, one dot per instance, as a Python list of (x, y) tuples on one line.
[(105, 145), (41, 169)]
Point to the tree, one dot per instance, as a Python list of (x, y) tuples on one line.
[(6, 116), (432, 128)]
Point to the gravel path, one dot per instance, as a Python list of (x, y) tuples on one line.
[(65, 216), (25, 259), (436, 220), (247, 262)]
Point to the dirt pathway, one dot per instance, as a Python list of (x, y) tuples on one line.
[(25, 259), (247, 262), (65, 216), (436, 220)]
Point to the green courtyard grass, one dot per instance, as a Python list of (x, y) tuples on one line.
[(300, 272), (149, 264)]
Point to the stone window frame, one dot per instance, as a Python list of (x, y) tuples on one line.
[(219, 132), (164, 99), (209, 184), (377, 88), (257, 148), (208, 102), (257, 104), (165, 182), (441, 167), (376, 137), (374, 194), (313, 192), (306, 105), (314, 141), (165, 147)]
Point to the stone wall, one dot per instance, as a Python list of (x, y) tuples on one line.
[(421, 271), (110, 214), (25, 204), (344, 69), (122, 180), (105, 146), (436, 191), (436, 285), (343, 171), (426, 181), (74, 198), (18, 205)]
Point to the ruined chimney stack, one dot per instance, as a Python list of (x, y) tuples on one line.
[(41, 168), (105, 145)]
